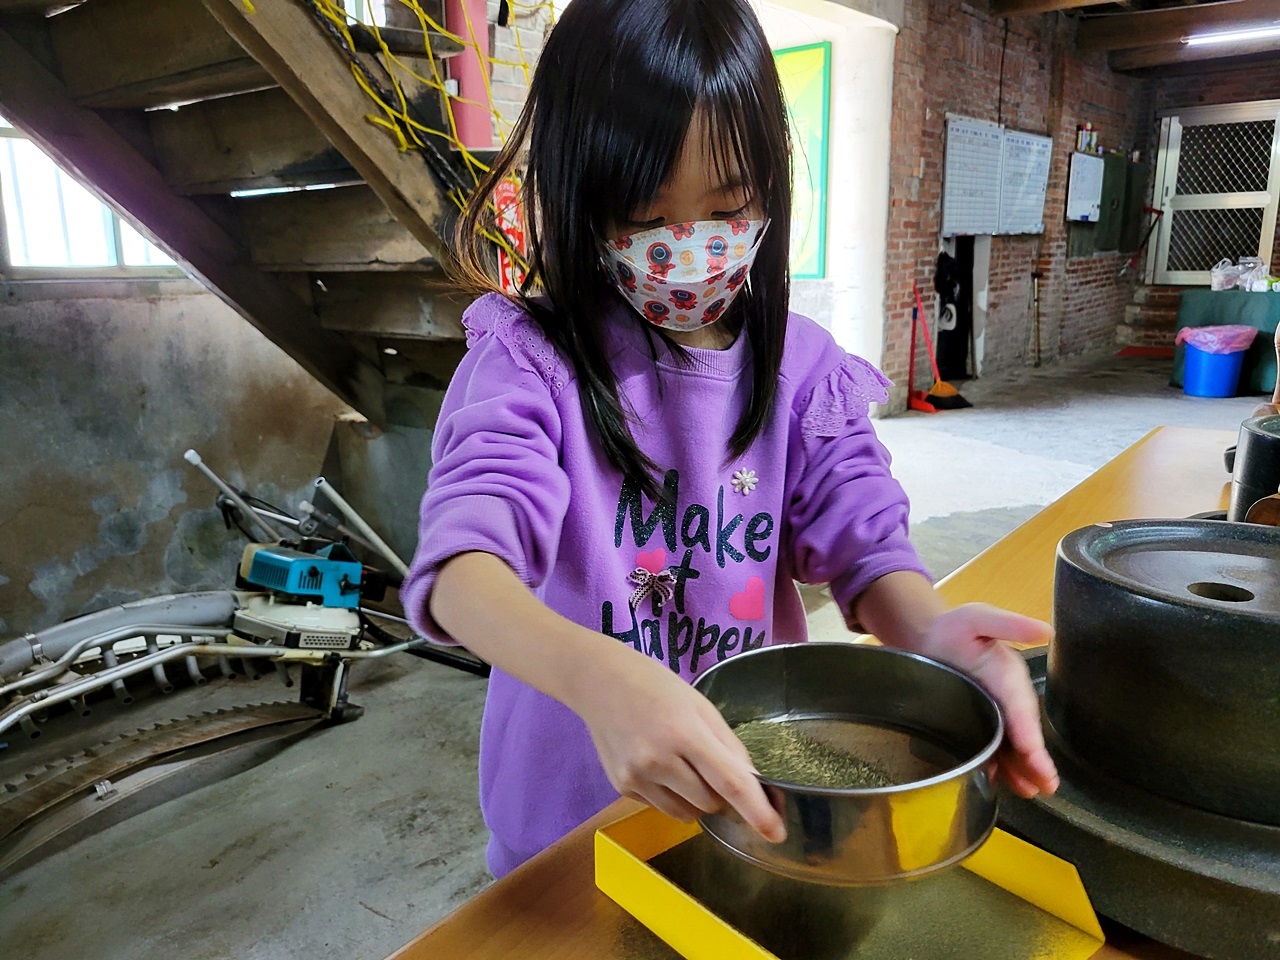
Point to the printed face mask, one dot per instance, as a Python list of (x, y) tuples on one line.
[(684, 275)]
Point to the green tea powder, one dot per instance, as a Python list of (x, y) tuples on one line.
[(781, 751)]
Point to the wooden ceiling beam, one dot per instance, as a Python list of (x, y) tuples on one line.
[(1129, 61), (1023, 8), (1147, 28), (1202, 67), (286, 39), (92, 151)]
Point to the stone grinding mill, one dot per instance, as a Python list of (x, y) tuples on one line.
[(1161, 697)]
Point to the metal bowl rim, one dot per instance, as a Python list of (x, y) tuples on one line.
[(781, 866), (955, 773)]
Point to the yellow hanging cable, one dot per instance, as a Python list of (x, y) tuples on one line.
[(428, 25), (398, 120), (524, 63)]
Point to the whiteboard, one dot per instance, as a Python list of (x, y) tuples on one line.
[(1024, 182), (971, 191), (1084, 187)]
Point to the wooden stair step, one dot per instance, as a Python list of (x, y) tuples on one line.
[(143, 54), (42, 7), (339, 229), (404, 42), (285, 38), (148, 54), (396, 306), (250, 142)]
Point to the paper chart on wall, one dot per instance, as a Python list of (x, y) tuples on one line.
[(971, 181), (1025, 181)]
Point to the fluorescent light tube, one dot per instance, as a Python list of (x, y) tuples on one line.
[(1233, 36)]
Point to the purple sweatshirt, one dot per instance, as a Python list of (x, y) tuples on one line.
[(517, 473)]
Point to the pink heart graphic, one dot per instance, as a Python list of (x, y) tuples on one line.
[(749, 604), (653, 560)]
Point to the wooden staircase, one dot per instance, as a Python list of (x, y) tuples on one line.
[(165, 108)]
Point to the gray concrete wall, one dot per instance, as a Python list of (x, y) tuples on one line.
[(99, 397)]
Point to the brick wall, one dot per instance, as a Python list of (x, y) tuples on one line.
[(948, 60), (1257, 81), (516, 44)]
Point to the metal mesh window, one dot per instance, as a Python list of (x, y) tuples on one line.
[(1198, 239), (1225, 157)]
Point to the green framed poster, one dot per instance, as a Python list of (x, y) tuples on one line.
[(806, 86)]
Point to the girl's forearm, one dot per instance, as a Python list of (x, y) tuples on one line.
[(482, 604), (899, 609)]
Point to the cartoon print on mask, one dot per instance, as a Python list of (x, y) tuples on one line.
[(622, 243), (739, 226), (687, 276), (713, 312), (681, 231), (683, 299), (660, 259), (656, 312), (717, 253)]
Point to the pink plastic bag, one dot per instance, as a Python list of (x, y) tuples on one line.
[(1232, 338)]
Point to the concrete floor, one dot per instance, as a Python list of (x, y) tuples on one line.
[(351, 841)]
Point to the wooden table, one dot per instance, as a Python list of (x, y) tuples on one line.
[(549, 909)]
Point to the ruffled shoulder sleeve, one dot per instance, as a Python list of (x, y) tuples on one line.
[(494, 317), (843, 395)]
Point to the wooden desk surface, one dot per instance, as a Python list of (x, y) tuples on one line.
[(549, 909)]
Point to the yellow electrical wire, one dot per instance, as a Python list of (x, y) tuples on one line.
[(395, 117)]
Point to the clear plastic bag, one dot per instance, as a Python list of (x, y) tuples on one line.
[(1253, 275), (1231, 338), (1224, 275)]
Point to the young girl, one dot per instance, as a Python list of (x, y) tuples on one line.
[(633, 468)]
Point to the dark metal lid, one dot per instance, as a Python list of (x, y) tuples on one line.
[(1267, 426), (1197, 563)]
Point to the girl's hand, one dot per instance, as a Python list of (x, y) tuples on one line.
[(969, 639), (1267, 409), (663, 743)]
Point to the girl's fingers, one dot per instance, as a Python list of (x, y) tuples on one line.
[(687, 783), (736, 784), (983, 621), (1039, 769), (1019, 784), (669, 802), (1008, 680)]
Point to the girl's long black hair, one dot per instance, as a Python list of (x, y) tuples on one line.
[(613, 97)]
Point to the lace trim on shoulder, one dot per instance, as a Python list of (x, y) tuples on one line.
[(493, 315), (844, 394)]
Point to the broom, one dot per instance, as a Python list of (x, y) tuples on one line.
[(942, 395)]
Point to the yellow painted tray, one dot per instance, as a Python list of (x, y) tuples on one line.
[(1009, 900)]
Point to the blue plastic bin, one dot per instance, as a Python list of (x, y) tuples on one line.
[(1212, 374)]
